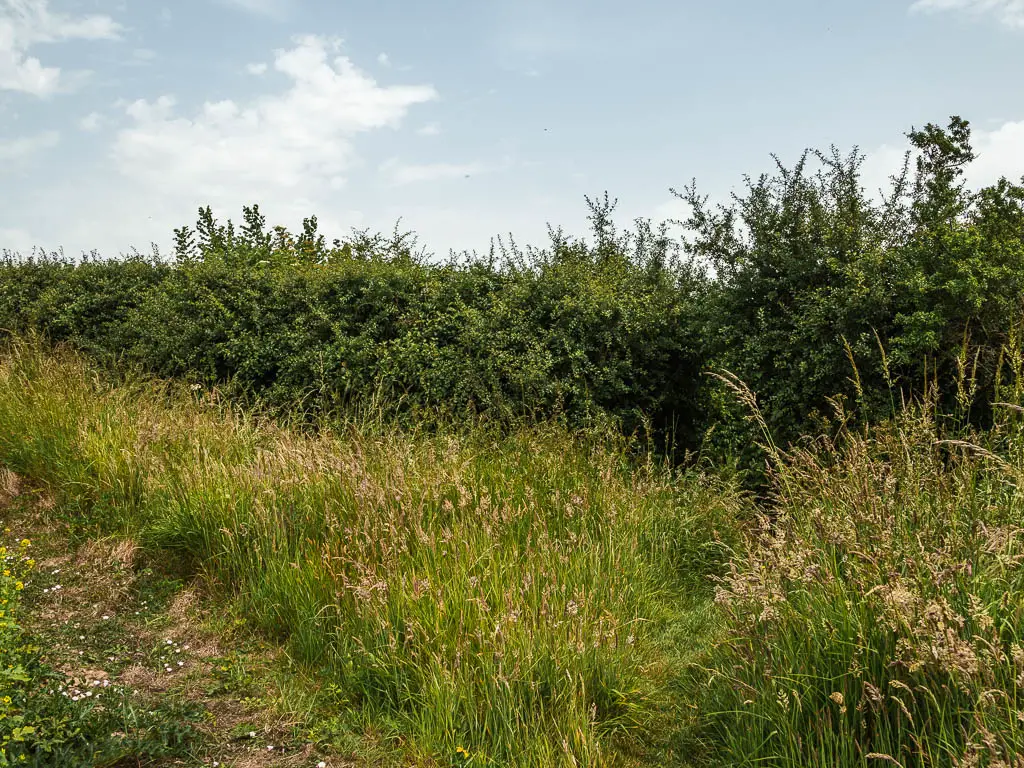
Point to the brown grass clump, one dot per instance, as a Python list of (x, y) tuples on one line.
[(10, 486)]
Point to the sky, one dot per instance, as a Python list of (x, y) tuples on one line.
[(465, 119)]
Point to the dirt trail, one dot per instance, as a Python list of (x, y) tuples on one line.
[(107, 619)]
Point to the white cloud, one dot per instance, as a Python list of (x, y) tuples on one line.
[(880, 164), (23, 24), (1000, 153), (297, 139), (290, 150), (27, 145), (1008, 12), (398, 173), (91, 122), (16, 241), (430, 129), (256, 69), (383, 59), (674, 209)]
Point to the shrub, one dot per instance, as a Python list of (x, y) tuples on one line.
[(821, 291)]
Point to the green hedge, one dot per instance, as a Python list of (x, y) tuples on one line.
[(578, 331), (803, 286)]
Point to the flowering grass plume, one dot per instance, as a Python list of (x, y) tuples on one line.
[(878, 617)]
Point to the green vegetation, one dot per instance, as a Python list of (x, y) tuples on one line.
[(496, 513), (509, 596), (48, 718), (800, 278), (877, 616), (116, 661)]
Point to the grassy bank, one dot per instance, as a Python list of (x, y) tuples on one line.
[(540, 598), (511, 600)]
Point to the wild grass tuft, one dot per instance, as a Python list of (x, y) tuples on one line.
[(878, 617)]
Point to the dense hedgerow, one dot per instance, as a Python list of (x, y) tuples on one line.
[(804, 285), (581, 331), (822, 291)]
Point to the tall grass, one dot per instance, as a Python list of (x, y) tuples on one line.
[(878, 617), (496, 600), (542, 598)]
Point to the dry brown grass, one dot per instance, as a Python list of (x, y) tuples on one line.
[(10, 487)]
